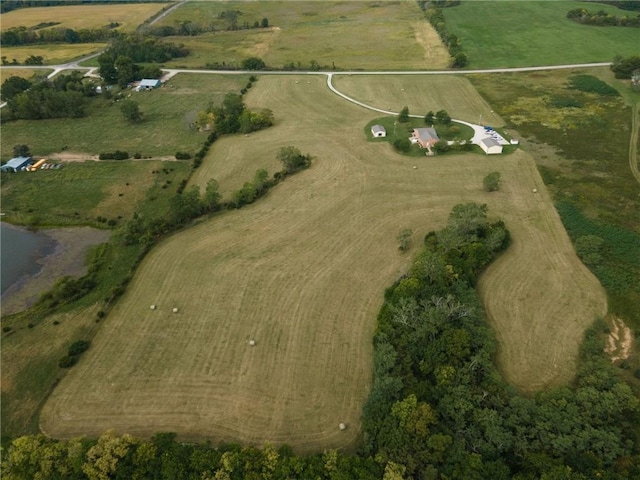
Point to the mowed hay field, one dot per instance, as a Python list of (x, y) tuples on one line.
[(52, 54), (82, 16), (421, 93), (303, 271), (349, 35), (28, 73)]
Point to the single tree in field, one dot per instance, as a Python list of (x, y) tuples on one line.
[(265, 22), (293, 160), (403, 117), (492, 182), (131, 110), (211, 199), (21, 151)]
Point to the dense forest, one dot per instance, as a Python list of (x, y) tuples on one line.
[(438, 408)]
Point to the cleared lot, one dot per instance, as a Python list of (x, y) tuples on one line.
[(303, 272)]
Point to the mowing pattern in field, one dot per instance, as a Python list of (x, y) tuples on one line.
[(82, 16), (527, 33), (349, 35), (303, 272), (421, 94)]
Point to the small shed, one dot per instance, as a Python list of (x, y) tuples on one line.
[(148, 84), (16, 164), (490, 146), (425, 137), (378, 131)]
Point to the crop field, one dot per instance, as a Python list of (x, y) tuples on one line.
[(522, 34), (168, 113), (302, 272), (82, 16), (330, 33), (52, 54)]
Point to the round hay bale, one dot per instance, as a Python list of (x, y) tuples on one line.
[(175, 309), (415, 168), (152, 307), (342, 426), (252, 343), (535, 190)]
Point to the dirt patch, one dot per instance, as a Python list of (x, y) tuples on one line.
[(72, 157), (619, 341), (67, 258)]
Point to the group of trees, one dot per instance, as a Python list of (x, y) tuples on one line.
[(64, 96), (625, 67), (118, 64), (602, 18), (439, 409), (232, 116), (191, 28)]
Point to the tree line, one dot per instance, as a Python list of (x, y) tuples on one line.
[(33, 35), (190, 28), (602, 18), (435, 15)]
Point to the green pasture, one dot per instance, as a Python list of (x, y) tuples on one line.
[(80, 192), (528, 33), (347, 35), (166, 126)]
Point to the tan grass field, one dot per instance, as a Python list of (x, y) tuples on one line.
[(52, 54), (303, 272), (27, 73), (421, 93), (82, 16), (331, 33)]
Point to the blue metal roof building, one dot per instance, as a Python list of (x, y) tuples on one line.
[(16, 164)]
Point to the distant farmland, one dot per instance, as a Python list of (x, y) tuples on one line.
[(521, 34), (83, 16), (347, 35), (51, 54), (303, 272)]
